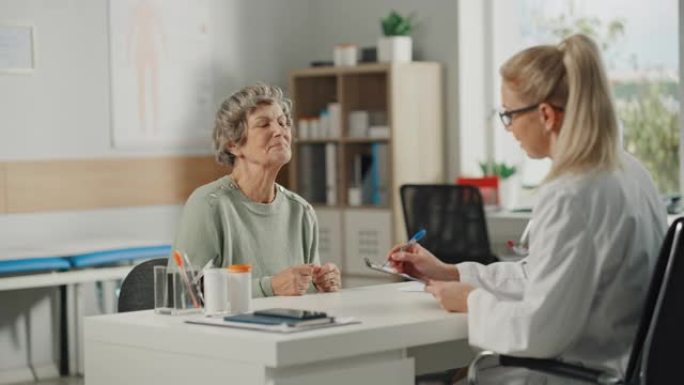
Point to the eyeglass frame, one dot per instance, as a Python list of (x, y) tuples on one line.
[(508, 114)]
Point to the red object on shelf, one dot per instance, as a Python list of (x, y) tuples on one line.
[(488, 185)]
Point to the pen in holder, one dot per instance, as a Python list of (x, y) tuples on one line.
[(172, 294)]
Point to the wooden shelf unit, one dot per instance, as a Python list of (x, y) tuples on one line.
[(411, 96)]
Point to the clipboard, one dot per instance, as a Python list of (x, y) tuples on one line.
[(388, 270)]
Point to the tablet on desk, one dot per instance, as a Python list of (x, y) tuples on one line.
[(389, 270), (261, 319), (291, 314)]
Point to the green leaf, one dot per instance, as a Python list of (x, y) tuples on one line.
[(396, 25)]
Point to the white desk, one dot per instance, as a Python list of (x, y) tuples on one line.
[(399, 331)]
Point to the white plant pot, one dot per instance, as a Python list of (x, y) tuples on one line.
[(509, 189), (395, 49)]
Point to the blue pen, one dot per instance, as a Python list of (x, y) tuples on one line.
[(414, 239)]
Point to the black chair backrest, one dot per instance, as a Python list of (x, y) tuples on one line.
[(655, 353), (137, 289), (454, 218)]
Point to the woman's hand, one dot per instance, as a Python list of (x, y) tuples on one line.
[(327, 277), (418, 262), (452, 296), (293, 280)]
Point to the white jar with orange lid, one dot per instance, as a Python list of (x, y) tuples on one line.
[(240, 288)]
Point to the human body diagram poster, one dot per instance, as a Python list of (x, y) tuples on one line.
[(161, 73)]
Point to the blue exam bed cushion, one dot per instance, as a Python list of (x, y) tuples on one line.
[(12, 266), (119, 255)]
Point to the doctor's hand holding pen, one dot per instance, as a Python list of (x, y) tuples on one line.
[(413, 259), (442, 278)]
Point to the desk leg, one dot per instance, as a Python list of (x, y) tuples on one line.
[(75, 327), (109, 296), (71, 327), (63, 332)]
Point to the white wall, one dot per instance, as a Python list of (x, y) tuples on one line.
[(62, 110), (435, 39)]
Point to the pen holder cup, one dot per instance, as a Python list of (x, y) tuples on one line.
[(173, 294)]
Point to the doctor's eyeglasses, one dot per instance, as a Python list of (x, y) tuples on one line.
[(506, 116)]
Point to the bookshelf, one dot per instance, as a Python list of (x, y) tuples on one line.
[(360, 133)]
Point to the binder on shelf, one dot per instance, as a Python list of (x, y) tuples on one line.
[(375, 175), (331, 174), (318, 173), (304, 174), (367, 182), (335, 115), (383, 188)]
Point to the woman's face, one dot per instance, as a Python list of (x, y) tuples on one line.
[(268, 138), (529, 128)]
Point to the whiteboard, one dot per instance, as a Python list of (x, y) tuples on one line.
[(160, 73)]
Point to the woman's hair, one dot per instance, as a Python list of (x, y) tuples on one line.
[(231, 118), (570, 76)]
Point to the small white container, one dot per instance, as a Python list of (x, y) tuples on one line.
[(345, 55), (240, 282), (354, 196), (215, 291)]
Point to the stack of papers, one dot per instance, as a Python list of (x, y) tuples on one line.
[(253, 322)]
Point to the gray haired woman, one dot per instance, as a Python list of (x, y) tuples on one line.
[(246, 217)]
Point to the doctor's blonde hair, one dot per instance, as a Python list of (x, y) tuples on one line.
[(570, 75)]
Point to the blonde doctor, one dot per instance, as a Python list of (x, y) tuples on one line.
[(597, 225)]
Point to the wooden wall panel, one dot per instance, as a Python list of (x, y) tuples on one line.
[(99, 183), (3, 199)]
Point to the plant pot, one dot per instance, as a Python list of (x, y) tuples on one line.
[(509, 189), (395, 49)]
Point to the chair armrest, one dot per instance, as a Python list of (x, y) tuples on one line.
[(548, 366)]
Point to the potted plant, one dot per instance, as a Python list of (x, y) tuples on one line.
[(396, 45), (508, 190)]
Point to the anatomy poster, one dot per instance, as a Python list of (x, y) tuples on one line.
[(161, 75)]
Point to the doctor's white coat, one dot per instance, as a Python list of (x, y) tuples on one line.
[(578, 295)]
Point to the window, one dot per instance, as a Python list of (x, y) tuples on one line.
[(640, 46)]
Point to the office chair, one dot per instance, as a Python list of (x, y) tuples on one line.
[(654, 359), (454, 218), (137, 289)]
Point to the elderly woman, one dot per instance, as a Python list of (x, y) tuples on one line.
[(245, 217)]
